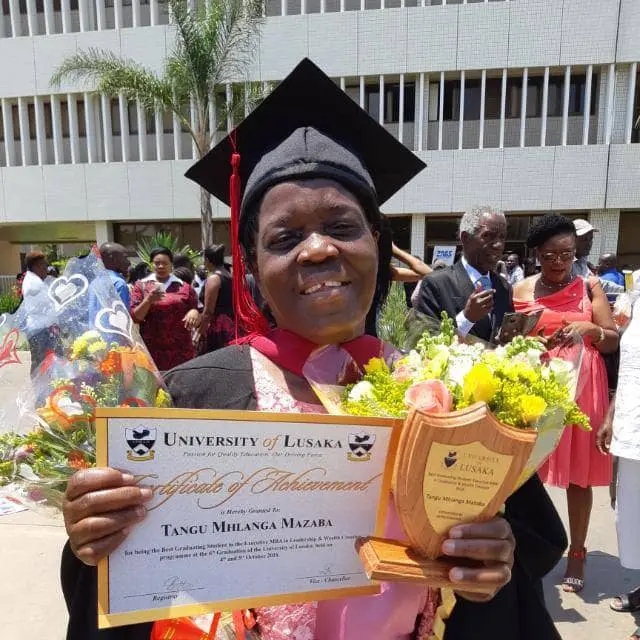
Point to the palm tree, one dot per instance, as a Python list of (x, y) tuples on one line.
[(214, 44)]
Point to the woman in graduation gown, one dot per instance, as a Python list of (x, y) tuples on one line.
[(315, 169)]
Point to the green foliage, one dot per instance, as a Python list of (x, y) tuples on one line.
[(446, 336), (391, 320), (167, 241), (9, 302), (60, 262), (522, 344)]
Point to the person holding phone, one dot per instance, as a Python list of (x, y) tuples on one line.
[(471, 291), (573, 309), (166, 308)]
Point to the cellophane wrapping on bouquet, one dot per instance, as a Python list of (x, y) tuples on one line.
[(65, 351), (525, 385)]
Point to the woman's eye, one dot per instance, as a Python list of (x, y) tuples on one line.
[(283, 241), (342, 229)]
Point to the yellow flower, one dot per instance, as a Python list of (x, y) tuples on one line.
[(84, 342), (479, 384), (376, 365), (97, 347), (532, 408), (163, 399)]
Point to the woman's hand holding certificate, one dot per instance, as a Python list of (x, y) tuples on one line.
[(100, 507)]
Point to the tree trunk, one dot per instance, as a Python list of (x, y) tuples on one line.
[(206, 219)]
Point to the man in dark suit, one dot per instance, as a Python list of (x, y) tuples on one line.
[(470, 291)]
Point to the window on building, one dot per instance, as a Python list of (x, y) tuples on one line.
[(401, 231), (577, 91), (64, 118), (47, 120), (39, 4), (167, 122), (133, 119), (513, 102), (472, 99), (31, 113), (116, 129), (391, 102), (15, 118), (125, 3), (535, 89)]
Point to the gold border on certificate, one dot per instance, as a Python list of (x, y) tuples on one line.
[(107, 619)]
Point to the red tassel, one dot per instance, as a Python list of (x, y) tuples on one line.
[(247, 315)]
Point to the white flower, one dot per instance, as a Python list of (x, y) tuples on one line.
[(413, 360), (532, 357), (458, 369), (361, 391), (501, 352)]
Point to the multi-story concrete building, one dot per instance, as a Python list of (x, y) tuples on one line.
[(526, 105)]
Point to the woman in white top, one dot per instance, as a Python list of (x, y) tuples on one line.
[(620, 436)]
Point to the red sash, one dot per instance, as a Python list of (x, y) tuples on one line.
[(291, 351)]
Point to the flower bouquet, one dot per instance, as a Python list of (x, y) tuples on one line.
[(523, 385), (67, 350)]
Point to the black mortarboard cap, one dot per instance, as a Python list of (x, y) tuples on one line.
[(332, 134), (306, 128)]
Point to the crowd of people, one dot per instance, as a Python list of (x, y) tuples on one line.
[(311, 232), (184, 310)]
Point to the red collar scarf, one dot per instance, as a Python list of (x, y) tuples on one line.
[(290, 351)]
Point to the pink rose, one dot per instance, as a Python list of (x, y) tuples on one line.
[(431, 396)]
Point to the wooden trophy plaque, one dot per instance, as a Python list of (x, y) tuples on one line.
[(450, 468)]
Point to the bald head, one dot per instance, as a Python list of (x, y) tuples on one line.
[(607, 262), (114, 257)]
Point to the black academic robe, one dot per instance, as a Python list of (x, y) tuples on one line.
[(224, 380), (449, 289)]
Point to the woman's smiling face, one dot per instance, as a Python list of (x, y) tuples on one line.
[(316, 260)]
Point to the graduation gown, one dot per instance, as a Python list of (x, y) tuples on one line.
[(224, 380)]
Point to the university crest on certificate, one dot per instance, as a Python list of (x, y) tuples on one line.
[(248, 509)]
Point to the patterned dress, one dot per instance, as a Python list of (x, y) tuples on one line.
[(163, 330)]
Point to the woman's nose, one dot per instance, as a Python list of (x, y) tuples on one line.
[(317, 248)]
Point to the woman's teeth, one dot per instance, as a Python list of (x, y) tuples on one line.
[(316, 287)]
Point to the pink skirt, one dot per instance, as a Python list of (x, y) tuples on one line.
[(577, 460)]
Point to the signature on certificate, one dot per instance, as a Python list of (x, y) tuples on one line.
[(176, 583)]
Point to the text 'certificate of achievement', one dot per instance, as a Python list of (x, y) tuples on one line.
[(249, 509)]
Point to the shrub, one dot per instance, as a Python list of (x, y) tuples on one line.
[(9, 302)]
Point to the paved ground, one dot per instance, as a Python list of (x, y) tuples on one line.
[(30, 598), (32, 606), (587, 615)]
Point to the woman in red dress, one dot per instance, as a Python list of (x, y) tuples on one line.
[(166, 310), (572, 309)]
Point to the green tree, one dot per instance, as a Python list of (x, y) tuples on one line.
[(214, 44), (165, 240)]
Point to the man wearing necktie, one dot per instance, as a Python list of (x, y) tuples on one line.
[(470, 291)]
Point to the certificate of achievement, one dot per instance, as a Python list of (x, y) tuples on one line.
[(249, 509)]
